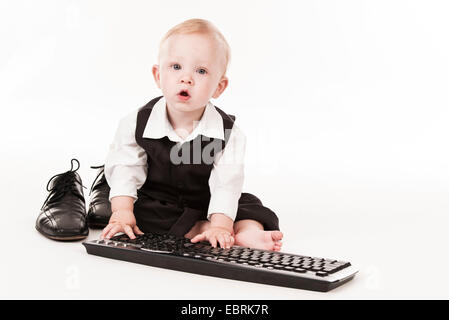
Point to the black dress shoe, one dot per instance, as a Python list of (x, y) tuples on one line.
[(99, 205), (63, 214)]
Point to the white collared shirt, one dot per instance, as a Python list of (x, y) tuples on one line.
[(126, 163)]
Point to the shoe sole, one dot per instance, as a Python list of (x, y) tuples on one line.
[(70, 238)]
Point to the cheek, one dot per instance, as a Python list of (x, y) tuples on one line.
[(166, 81), (206, 85)]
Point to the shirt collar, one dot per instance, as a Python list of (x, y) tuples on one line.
[(158, 125)]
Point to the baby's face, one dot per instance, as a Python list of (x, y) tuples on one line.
[(190, 71)]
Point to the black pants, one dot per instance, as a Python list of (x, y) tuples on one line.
[(162, 217)]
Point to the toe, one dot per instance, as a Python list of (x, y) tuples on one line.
[(277, 246), (277, 235)]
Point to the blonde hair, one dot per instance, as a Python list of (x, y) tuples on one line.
[(199, 26)]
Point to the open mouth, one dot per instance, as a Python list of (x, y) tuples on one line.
[(184, 95)]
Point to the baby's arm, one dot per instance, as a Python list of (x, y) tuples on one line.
[(225, 182), (125, 172)]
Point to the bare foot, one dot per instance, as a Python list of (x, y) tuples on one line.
[(259, 239)]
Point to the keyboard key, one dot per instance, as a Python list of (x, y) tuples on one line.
[(266, 255), (255, 258), (307, 267), (300, 270)]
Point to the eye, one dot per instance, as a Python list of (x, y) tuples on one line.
[(202, 71), (176, 66)]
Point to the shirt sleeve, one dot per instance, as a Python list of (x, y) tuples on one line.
[(227, 176), (126, 163)]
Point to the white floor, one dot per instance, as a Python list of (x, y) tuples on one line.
[(397, 238)]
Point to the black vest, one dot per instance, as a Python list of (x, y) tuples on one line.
[(184, 181)]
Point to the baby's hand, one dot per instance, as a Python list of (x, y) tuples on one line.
[(214, 234), (121, 221)]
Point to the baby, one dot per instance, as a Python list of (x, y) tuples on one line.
[(176, 164)]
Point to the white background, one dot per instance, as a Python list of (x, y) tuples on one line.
[(345, 105)]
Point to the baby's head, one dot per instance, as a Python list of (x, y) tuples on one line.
[(193, 59)]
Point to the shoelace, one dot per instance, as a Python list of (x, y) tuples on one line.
[(64, 185), (96, 178)]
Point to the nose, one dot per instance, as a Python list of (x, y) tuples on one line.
[(187, 79)]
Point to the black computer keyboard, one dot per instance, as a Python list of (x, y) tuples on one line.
[(238, 263)]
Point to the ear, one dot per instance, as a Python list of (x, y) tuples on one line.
[(157, 75), (221, 87)]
